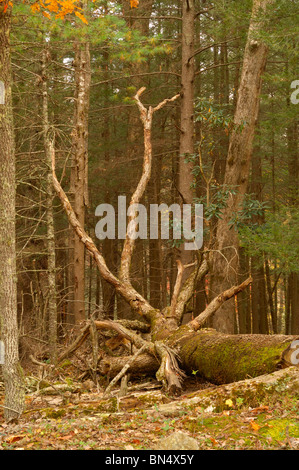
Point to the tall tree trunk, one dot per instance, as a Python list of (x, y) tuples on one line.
[(185, 176), (292, 136), (51, 271), (294, 302), (244, 317), (108, 245), (259, 303), (79, 177), (225, 260), (12, 372), (155, 265)]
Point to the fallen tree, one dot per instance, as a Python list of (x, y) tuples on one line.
[(171, 347)]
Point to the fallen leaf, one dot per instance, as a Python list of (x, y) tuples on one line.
[(66, 438), (255, 426), (229, 402), (259, 409), (214, 441), (136, 441), (15, 438)]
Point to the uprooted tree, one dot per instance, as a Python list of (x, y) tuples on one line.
[(171, 349)]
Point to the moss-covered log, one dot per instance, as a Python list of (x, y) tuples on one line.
[(216, 357), (222, 358), (258, 391)]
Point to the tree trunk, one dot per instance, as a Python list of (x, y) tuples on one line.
[(292, 136), (79, 176), (185, 176), (12, 373), (225, 264), (51, 271), (294, 302), (244, 316), (258, 295)]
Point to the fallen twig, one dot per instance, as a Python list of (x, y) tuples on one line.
[(124, 370)]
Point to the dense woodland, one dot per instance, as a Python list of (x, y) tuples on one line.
[(162, 102)]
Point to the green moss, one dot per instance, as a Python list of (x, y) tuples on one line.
[(109, 405), (66, 363), (55, 414), (280, 429), (229, 360)]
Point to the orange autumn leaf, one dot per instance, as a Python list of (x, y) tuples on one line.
[(35, 7), (14, 438), (214, 441), (46, 14), (260, 409), (134, 3), (66, 438), (255, 426), (82, 17)]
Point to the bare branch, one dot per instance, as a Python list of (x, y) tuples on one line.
[(146, 116), (124, 370), (130, 295), (216, 303), (187, 290), (177, 287)]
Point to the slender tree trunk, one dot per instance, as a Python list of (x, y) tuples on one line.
[(273, 312), (225, 264), (292, 136), (155, 265), (244, 316), (79, 177), (108, 245), (12, 372), (187, 101), (294, 302), (185, 176), (51, 272), (259, 302)]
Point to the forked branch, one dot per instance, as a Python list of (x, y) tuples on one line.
[(146, 116), (130, 295)]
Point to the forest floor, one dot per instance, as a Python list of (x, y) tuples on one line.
[(79, 419)]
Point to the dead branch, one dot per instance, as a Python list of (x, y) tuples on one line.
[(216, 303), (76, 344), (177, 287), (187, 290), (103, 325), (135, 325), (124, 370), (146, 116), (130, 295)]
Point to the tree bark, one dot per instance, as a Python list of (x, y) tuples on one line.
[(185, 176), (258, 294), (51, 271), (79, 177), (293, 167), (12, 372), (225, 261)]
